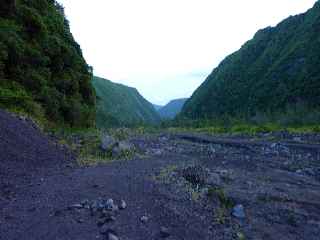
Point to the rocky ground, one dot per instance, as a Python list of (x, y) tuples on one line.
[(178, 186)]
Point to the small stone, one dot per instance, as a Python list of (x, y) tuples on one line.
[(57, 213), (164, 232), (213, 179), (122, 205), (273, 145), (125, 146), (69, 166), (238, 211), (105, 218), (110, 202), (157, 152), (104, 229), (111, 236), (297, 139), (80, 220), (85, 202), (144, 219), (107, 143), (111, 206), (76, 206)]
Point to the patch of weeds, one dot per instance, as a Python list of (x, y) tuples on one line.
[(127, 154), (94, 159), (253, 129), (225, 204), (219, 193), (96, 156), (291, 219), (213, 130), (195, 194), (221, 215), (271, 198), (165, 173), (304, 129), (172, 175), (91, 154), (196, 175), (86, 145), (226, 179), (241, 236), (120, 134), (63, 142)]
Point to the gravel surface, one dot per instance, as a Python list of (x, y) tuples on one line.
[(181, 188)]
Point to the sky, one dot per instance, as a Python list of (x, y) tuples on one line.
[(167, 48)]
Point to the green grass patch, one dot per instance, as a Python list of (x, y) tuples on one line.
[(86, 144)]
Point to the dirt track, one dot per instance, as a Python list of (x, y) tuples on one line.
[(278, 185)]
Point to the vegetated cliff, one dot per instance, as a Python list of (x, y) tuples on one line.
[(42, 70), (119, 105), (275, 72)]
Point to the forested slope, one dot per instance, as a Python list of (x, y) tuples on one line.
[(42, 70), (119, 105), (277, 71)]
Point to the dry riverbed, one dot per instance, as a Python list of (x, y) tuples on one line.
[(175, 186)]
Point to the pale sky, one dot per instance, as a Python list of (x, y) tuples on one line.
[(166, 48)]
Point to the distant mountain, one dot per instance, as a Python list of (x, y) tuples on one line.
[(157, 107), (119, 105), (173, 108), (276, 71)]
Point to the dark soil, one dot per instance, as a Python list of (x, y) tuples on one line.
[(277, 182)]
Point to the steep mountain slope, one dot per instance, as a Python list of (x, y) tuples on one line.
[(173, 108), (42, 70), (157, 107), (119, 105), (275, 71)]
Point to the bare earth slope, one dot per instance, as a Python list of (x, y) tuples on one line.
[(173, 185)]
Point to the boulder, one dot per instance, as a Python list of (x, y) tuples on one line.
[(238, 211), (107, 143), (122, 147)]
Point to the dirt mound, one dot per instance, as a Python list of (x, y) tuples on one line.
[(25, 150)]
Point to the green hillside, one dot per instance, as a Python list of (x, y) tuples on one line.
[(173, 108), (276, 72), (42, 71), (119, 105)]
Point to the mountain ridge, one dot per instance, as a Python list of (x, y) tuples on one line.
[(120, 105), (172, 108), (279, 63)]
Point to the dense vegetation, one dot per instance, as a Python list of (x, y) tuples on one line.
[(173, 108), (276, 76), (119, 105), (42, 71)]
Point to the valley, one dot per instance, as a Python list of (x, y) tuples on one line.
[(83, 157)]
